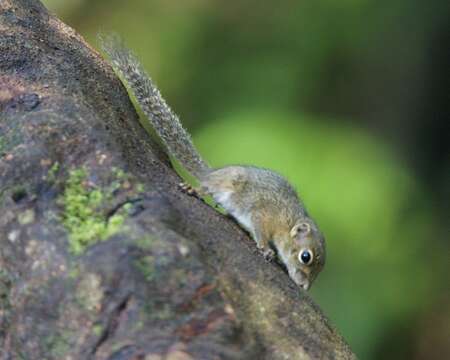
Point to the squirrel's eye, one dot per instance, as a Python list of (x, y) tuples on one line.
[(305, 256)]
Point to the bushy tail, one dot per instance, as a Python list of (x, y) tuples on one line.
[(176, 139)]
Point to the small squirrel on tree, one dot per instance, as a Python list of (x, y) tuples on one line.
[(260, 200)]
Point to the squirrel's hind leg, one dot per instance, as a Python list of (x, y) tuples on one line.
[(190, 190)]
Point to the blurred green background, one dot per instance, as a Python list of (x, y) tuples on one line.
[(349, 100)]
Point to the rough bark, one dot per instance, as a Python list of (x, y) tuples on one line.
[(101, 256)]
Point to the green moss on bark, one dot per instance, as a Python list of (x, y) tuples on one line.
[(146, 266), (82, 218)]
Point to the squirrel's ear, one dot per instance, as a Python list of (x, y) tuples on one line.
[(301, 228)]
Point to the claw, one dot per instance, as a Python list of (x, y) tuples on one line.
[(269, 255)]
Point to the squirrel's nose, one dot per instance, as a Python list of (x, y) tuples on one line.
[(301, 280), (305, 285)]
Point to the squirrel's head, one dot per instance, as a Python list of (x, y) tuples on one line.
[(306, 256)]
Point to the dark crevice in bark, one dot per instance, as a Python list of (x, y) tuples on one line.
[(113, 321)]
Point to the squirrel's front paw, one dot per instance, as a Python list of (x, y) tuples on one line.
[(269, 254)]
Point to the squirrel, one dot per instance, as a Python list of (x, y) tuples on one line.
[(260, 200)]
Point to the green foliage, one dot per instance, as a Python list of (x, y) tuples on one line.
[(82, 218)]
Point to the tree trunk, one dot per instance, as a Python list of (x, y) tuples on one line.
[(101, 256)]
